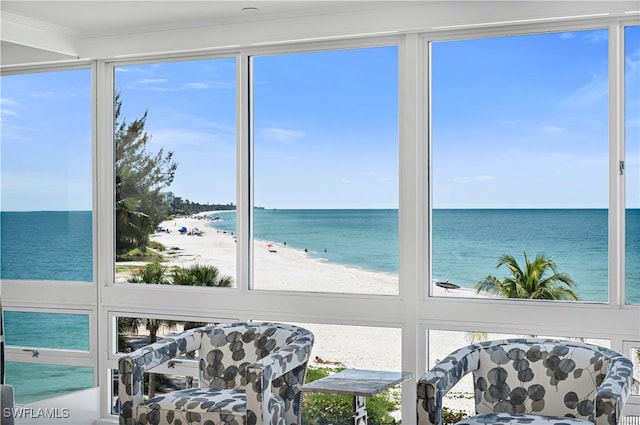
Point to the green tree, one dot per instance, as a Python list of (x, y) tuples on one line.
[(539, 280), (140, 176), (201, 275)]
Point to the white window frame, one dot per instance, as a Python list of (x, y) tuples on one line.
[(412, 311)]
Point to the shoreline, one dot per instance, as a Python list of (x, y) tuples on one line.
[(274, 260), (280, 267)]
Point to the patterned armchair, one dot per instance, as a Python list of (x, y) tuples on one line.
[(531, 381), (249, 373)]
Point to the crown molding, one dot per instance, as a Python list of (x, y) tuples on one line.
[(35, 34)]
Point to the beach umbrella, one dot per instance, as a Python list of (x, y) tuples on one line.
[(446, 285)]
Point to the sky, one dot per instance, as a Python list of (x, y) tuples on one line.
[(517, 122)]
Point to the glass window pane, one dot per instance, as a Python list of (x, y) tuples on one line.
[(42, 330), (46, 176), (632, 163), (175, 150), (520, 164), (136, 332), (34, 382), (326, 171)]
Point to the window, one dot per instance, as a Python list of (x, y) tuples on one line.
[(37, 336), (632, 163), (520, 162), (46, 226), (175, 165), (325, 169), (46, 176)]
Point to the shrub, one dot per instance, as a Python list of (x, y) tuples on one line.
[(200, 275), (450, 416)]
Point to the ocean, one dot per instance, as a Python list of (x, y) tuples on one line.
[(466, 245)]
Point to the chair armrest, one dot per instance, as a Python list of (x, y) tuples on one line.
[(284, 370), (131, 368), (613, 391), (434, 384)]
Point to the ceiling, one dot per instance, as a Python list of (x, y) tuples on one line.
[(47, 31), (92, 17)]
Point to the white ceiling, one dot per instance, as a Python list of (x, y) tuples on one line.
[(45, 31), (35, 31), (91, 17)]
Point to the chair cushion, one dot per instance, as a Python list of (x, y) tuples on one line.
[(195, 406), (227, 350), (518, 419), (540, 379)]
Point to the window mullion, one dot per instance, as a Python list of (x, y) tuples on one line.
[(616, 177)]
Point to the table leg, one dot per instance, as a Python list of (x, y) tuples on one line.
[(360, 410)]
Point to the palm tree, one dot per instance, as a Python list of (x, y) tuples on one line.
[(539, 280), (201, 275)]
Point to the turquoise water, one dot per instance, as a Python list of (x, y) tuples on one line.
[(33, 382), (466, 243), (466, 246), (46, 245)]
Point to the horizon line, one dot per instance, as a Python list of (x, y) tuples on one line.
[(361, 209)]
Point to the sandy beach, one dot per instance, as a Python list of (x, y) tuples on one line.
[(277, 266)]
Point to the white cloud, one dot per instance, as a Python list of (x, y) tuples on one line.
[(552, 129), (152, 81), (175, 139), (633, 61), (596, 36), (42, 94), (282, 134), (594, 91), (7, 102), (9, 112), (484, 178), (6, 106), (197, 86)]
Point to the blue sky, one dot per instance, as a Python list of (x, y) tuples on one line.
[(517, 122)]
